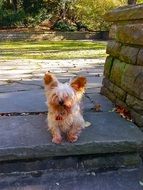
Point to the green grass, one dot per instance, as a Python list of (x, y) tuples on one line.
[(52, 50)]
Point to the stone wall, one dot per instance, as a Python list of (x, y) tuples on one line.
[(123, 71), (43, 35)]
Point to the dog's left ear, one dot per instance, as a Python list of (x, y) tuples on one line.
[(79, 84)]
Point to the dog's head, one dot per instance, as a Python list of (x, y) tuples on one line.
[(63, 95)]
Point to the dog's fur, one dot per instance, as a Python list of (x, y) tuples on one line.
[(64, 115)]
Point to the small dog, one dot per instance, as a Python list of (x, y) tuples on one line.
[(63, 101)]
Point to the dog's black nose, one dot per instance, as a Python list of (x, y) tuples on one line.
[(61, 102)]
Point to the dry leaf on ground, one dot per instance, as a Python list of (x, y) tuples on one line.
[(123, 112), (97, 108)]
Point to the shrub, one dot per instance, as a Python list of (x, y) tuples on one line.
[(63, 25), (11, 19)]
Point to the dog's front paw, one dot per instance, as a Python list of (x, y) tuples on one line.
[(72, 138), (57, 139)]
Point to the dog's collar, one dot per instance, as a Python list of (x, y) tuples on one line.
[(59, 117)]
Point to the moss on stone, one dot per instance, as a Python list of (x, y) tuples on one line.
[(117, 72), (108, 66)]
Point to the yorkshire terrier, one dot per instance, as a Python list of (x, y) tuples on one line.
[(63, 101)]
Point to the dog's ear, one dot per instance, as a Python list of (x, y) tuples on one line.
[(50, 80), (79, 84)]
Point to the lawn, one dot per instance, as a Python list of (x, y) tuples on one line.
[(52, 50)]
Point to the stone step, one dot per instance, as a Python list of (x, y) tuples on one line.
[(110, 141), (123, 179), (26, 137)]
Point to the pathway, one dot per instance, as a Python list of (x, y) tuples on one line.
[(112, 141)]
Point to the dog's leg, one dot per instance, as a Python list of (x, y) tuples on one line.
[(56, 135), (73, 133), (72, 137), (55, 131), (75, 129)]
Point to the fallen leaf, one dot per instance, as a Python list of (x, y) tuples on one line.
[(123, 112), (9, 81), (87, 124), (97, 108)]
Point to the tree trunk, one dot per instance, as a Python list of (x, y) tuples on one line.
[(132, 2), (15, 3)]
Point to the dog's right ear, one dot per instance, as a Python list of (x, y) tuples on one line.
[(50, 80)]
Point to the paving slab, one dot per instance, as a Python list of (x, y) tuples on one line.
[(34, 101), (34, 69), (91, 90), (15, 87), (27, 137), (97, 98), (93, 71), (24, 101)]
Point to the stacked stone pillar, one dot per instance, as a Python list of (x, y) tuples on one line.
[(123, 71)]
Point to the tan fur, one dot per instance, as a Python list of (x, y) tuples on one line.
[(50, 80), (79, 83), (64, 115)]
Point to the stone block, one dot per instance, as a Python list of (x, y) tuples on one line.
[(129, 54), (117, 71), (106, 92), (140, 57), (112, 31), (137, 118), (108, 84), (120, 103), (130, 34), (113, 48), (125, 13), (108, 66), (132, 80), (119, 93), (135, 103)]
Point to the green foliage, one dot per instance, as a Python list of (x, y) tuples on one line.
[(66, 15), (139, 1), (91, 12), (11, 19), (63, 25), (32, 20)]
